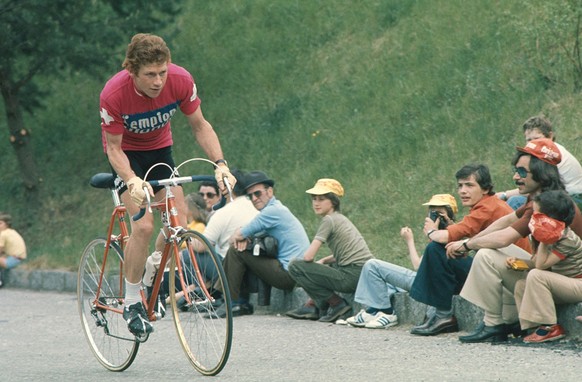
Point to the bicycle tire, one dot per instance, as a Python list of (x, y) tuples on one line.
[(105, 330), (205, 338)]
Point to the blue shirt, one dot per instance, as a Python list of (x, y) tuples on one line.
[(279, 222)]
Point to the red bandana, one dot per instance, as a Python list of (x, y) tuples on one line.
[(546, 229)]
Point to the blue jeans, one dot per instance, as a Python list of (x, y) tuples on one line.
[(379, 281)]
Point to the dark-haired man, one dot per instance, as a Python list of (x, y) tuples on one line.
[(440, 276), (535, 172)]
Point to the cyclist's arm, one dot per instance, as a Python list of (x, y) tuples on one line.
[(117, 157), (205, 135)]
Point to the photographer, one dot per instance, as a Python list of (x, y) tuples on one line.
[(440, 277)]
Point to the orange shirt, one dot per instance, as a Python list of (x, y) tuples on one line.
[(481, 215)]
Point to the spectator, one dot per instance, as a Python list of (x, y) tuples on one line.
[(535, 172), (12, 246), (197, 214), (380, 280), (209, 191), (556, 267), (569, 167), (338, 272), (277, 221), (439, 276)]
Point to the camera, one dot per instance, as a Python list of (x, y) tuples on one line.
[(434, 215)]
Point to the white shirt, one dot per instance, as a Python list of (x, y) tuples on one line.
[(570, 171), (226, 220)]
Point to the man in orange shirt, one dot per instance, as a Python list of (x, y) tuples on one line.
[(439, 276)]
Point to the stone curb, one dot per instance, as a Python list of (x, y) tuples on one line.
[(408, 310)]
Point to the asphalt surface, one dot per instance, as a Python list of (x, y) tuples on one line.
[(41, 340)]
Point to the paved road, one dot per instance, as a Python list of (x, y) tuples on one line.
[(41, 340)]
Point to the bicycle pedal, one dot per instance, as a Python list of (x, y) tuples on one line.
[(142, 337)]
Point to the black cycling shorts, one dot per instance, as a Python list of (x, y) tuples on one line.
[(142, 161)]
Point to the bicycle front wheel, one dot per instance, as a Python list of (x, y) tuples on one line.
[(205, 335), (100, 302)]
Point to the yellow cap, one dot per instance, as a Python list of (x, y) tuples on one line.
[(324, 186), (443, 200)]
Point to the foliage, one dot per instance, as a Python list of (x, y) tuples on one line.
[(550, 34), (390, 97)]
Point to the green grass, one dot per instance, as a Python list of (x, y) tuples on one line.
[(388, 97)]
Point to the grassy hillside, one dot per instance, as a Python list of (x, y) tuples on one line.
[(389, 97)]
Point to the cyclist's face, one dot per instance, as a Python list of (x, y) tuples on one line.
[(151, 79), (260, 195)]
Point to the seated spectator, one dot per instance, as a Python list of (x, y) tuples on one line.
[(556, 267), (235, 214), (439, 276), (338, 272), (12, 246), (380, 280), (197, 215), (210, 192), (535, 173), (569, 167), (277, 221)]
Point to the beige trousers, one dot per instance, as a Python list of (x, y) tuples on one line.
[(537, 295), (490, 284)]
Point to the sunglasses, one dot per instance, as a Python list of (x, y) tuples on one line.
[(208, 195), (521, 171), (257, 194)]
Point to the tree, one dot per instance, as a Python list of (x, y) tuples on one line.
[(46, 38)]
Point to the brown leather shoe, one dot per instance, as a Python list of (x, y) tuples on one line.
[(437, 326)]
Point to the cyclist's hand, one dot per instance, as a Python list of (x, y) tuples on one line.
[(221, 171), (135, 187)]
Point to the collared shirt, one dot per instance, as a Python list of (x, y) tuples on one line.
[(279, 222), (481, 215)]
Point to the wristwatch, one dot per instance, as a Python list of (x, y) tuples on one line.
[(465, 245)]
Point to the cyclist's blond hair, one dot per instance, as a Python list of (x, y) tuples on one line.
[(145, 49)]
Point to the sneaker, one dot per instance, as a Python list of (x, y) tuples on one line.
[(545, 334), (137, 320), (304, 313), (382, 321), (360, 319), (335, 312)]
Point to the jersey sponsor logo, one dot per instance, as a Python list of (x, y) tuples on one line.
[(147, 122)]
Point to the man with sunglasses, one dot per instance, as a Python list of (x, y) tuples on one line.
[(535, 171), (569, 167), (275, 220), (209, 192)]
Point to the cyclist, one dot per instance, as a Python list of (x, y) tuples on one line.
[(136, 106)]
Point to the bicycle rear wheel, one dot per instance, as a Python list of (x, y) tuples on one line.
[(206, 339), (99, 298)]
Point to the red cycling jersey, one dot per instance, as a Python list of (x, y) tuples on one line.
[(144, 121)]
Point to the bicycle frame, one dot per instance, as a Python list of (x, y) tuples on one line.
[(171, 224)]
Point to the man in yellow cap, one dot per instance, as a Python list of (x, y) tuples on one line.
[(338, 272)]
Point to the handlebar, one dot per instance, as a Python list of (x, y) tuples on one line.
[(181, 180), (169, 183)]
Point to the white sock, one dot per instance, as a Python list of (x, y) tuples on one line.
[(132, 293)]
